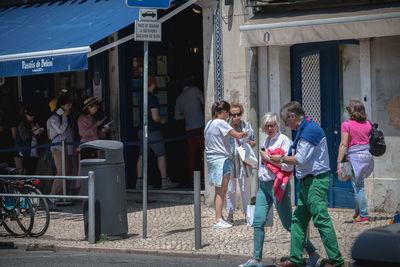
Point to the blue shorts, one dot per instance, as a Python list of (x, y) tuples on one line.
[(218, 167), (227, 167)]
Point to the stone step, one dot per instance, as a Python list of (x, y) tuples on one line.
[(170, 195)]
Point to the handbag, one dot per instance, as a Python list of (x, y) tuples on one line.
[(347, 169), (246, 154)]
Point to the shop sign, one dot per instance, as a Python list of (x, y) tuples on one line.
[(149, 31), (30, 66)]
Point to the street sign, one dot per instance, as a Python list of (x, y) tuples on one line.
[(148, 3), (149, 31), (148, 14)]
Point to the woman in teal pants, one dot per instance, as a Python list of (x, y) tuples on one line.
[(266, 197)]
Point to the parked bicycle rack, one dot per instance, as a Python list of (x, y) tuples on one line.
[(90, 197)]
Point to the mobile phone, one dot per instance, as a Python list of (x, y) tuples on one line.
[(60, 111), (108, 123), (262, 148)]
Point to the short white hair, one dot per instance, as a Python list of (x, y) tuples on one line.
[(269, 117)]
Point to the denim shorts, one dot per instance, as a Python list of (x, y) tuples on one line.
[(227, 167)]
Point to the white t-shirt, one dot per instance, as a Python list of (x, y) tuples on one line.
[(217, 138)]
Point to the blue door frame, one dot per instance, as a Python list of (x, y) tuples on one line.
[(340, 194)]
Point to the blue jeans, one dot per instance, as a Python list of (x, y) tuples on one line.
[(359, 196), (265, 199)]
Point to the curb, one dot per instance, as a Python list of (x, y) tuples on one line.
[(165, 253)]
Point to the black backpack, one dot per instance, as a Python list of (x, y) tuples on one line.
[(377, 146)]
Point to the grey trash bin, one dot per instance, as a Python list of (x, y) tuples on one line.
[(110, 188)]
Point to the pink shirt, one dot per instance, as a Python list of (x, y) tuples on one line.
[(87, 129), (359, 132)]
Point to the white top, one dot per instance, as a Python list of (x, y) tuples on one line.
[(189, 106), (217, 138), (278, 141), (60, 131)]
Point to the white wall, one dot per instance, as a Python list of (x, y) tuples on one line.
[(351, 86), (385, 76), (383, 190)]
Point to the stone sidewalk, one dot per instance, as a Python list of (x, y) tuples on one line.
[(170, 230)]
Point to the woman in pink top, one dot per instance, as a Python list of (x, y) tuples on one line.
[(88, 126), (355, 142)]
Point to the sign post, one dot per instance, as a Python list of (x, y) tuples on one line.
[(146, 30)]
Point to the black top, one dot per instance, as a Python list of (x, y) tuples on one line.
[(152, 103)]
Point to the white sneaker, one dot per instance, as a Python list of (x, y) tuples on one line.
[(222, 224), (167, 183)]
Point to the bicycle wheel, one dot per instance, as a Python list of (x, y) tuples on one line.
[(41, 210), (19, 220)]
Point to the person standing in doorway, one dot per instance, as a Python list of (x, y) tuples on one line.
[(154, 134), (311, 159), (88, 127), (240, 171), (189, 106), (16, 118), (59, 129), (28, 133), (217, 135)]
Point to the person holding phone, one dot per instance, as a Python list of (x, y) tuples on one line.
[(28, 134), (59, 128), (89, 128), (268, 173)]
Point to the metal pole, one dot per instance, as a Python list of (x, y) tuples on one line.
[(197, 210), (145, 136), (91, 209), (64, 184)]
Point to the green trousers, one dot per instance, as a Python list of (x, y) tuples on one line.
[(313, 203)]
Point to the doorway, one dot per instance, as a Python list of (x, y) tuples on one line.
[(316, 83)]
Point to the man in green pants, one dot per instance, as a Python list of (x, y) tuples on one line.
[(312, 169)]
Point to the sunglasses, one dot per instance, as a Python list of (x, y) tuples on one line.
[(235, 114)]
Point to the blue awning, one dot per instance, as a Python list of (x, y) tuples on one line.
[(56, 36)]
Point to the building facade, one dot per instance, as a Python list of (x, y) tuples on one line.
[(322, 54)]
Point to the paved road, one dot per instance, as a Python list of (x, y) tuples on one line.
[(18, 257), (171, 232)]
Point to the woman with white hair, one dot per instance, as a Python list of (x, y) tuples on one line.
[(274, 188)]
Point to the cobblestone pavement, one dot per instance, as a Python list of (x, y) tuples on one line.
[(171, 230)]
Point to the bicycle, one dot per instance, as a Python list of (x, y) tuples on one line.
[(16, 213), (40, 206)]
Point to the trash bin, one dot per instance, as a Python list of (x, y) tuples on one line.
[(109, 186)]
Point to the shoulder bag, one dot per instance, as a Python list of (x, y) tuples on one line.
[(246, 153)]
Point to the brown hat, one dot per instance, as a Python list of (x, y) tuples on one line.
[(89, 101)]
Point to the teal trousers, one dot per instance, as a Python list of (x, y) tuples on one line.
[(313, 203), (265, 199)]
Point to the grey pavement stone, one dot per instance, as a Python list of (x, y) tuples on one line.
[(171, 230)]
